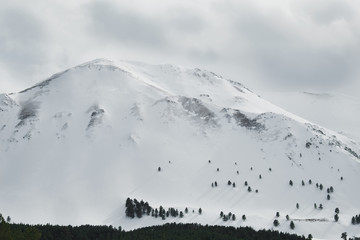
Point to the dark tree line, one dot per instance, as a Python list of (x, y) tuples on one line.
[(166, 232)]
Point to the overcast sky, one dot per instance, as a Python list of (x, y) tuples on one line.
[(276, 45)]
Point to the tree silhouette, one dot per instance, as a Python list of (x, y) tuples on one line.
[(292, 225)]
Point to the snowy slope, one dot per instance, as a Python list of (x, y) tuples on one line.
[(76, 146), (336, 111)]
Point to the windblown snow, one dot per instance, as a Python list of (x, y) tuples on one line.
[(75, 146)]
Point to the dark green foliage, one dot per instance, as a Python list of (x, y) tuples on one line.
[(5, 231), (134, 207), (276, 223), (355, 219), (344, 235), (291, 182), (292, 225)]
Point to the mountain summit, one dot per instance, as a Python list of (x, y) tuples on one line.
[(76, 146)]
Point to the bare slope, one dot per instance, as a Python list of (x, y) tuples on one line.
[(75, 146)]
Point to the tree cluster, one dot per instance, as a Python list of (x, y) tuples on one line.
[(226, 217), (355, 219), (135, 208)]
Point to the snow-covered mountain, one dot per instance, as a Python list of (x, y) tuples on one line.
[(75, 146)]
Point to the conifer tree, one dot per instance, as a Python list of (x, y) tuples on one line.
[(292, 225), (276, 223)]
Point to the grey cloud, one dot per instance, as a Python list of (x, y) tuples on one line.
[(186, 21), (327, 11), (207, 55), (22, 39), (285, 57), (124, 25)]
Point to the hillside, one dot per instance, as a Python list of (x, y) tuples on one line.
[(75, 146), (335, 111)]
